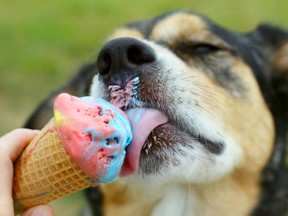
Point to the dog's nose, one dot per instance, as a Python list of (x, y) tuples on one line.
[(121, 58)]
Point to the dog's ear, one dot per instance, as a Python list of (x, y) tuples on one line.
[(280, 68), (79, 85), (274, 42)]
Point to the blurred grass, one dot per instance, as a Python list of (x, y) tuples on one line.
[(43, 42)]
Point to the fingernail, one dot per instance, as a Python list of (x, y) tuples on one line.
[(39, 211)]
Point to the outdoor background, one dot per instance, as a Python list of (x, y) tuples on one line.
[(42, 43)]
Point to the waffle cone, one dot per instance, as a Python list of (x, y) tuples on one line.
[(45, 171)]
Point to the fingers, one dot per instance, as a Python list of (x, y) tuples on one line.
[(43, 210), (13, 143), (11, 146)]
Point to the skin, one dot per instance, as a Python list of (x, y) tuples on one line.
[(11, 146)]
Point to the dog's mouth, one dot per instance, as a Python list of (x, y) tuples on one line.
[(156, 135), (144, 123)]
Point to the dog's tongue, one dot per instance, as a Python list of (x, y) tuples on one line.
[(142, 121)]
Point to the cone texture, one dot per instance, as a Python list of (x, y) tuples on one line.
[(45, 171)]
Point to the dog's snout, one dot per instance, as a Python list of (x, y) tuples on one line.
[(124, 55)]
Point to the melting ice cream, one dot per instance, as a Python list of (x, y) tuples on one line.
[(95, 133)]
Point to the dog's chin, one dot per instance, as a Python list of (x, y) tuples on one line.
[(173, 154)]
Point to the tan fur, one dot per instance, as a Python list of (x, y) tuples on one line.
[(256, 141), (224, 197), (221, 198), (235, 113), (128, 199), (171, 28), (125, 32), (184, 27)]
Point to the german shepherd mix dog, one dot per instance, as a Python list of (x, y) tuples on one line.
[(213, 142)]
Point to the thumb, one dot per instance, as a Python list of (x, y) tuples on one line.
[(42, 210)]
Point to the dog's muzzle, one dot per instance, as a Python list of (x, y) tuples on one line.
[(119, 64)]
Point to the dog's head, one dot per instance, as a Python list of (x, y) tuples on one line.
[(206, 104), (213, 86)]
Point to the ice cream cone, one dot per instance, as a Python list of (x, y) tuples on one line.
[(82, 145), (45, 171)]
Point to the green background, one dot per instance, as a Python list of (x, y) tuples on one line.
[(42, 43)]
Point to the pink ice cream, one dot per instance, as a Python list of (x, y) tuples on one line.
[(95, 133)]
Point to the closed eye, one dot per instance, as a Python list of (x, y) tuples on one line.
[(199, 48), (205, 48)]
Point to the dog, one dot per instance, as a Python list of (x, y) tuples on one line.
[(217, 143)]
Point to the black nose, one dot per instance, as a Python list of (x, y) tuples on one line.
[(121, 58)]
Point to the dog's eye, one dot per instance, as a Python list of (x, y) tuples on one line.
[(199, 48), (205, 48)]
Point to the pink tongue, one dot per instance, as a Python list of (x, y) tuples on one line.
[(142, 121)]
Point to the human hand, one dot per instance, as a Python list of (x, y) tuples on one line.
[(11, 146)]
